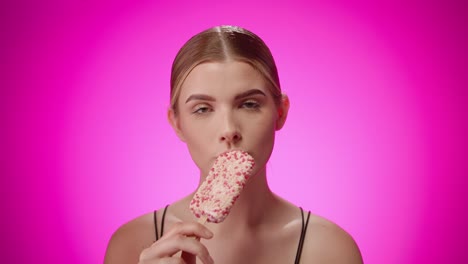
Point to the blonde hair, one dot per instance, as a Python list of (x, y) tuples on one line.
[(219, 44)]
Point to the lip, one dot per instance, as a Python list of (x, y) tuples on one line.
[(230, 150)]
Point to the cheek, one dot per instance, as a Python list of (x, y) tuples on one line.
[(198, 133), (264, 133), (198, 138), (262, 137), (198, 153)]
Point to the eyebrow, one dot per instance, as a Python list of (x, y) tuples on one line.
[(249, 93), (202, 97), (205, 97)]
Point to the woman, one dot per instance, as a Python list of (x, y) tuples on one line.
[(225, 95)]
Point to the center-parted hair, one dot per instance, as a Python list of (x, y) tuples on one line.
[(221, 44)]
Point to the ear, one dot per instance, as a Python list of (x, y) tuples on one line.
[(174, 121), (283, 110)]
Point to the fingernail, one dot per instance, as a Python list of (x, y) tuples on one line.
[(208, 233)]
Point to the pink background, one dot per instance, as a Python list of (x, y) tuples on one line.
[(374, 140)]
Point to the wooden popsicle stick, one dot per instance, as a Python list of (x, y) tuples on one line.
[(203, 219)]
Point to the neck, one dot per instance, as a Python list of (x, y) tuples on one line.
[(249, 209)]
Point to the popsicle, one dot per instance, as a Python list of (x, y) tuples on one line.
[(223, 185)]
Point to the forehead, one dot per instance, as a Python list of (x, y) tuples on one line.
[(222, 78)]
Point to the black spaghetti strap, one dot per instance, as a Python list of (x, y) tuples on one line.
[(156, 224), (162, 223), (303, 233), (162, 220)]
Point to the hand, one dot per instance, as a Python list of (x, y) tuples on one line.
[(179, 238)]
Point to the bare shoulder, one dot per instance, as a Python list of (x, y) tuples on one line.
[(328, 243), (127, 242)]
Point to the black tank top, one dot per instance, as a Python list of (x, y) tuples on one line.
[(305, 223)]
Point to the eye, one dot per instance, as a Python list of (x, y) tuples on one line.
[(250, 104), (201, 109)]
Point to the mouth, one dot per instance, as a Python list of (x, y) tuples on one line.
[(233, 150)]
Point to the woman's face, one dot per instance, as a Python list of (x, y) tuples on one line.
[(225, 106)]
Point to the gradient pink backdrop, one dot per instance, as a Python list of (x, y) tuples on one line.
[(375, 139)]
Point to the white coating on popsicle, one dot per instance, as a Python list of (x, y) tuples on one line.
[(223, 185)]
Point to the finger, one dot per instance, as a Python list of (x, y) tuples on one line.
[(174, 244), (168, 260), (189, 229)]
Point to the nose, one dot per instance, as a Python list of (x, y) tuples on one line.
[(230, 133), (231, 138)]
